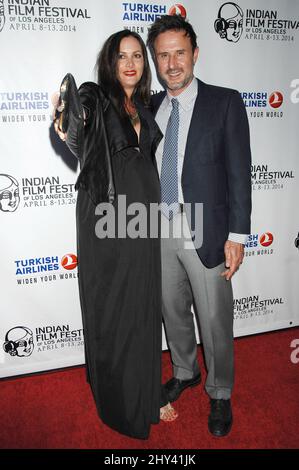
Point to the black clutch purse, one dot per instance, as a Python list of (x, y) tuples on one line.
[(69, 105), (70, 115)]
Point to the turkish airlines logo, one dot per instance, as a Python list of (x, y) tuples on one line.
[(69, 261), (276, 99), (266, 239), (178, 9)]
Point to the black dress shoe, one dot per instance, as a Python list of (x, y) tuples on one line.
[(220, 418), (174, 387)]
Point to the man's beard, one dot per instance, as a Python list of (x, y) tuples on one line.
[(178, 85)]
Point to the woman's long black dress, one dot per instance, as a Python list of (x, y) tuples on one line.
[(120, 293)]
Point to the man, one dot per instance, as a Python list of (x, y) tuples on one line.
[(204, 157)]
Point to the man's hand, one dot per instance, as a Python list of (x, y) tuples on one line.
[(234, 254)]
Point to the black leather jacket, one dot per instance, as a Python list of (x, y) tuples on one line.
[(103, 135)]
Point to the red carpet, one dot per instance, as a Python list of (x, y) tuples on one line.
[(56, 410)]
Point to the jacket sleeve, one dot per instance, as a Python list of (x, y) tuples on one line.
[(81, 109), (238, 164), (96, 175)]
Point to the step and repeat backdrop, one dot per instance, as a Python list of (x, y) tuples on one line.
[(251, 46)]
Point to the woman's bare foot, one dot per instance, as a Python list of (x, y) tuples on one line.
[(168, 413)]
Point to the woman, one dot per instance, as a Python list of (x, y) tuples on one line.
[(119, 277)]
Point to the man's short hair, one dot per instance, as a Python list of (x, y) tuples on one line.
[(170, 23)]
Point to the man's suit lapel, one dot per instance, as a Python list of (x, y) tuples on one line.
[(157, 101), (197, 124)]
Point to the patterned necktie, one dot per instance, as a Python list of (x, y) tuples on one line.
[(169, 169)]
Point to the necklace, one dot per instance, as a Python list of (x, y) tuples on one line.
[(133, 114), (134, 118)]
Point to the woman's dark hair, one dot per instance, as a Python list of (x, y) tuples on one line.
[(168, 23), (106, 66)]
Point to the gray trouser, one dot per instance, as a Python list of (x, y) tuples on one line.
[(186, 281)]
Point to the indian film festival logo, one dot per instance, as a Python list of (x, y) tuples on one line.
[(256, 24), (256, 306), (229, 23), (9, 193), (42, 15), (266, 177), (2, 15), (19, 342), (32, 192)]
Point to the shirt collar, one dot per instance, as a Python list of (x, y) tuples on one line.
[(187, 97)]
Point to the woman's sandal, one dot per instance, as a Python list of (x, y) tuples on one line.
[(168, 413)]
